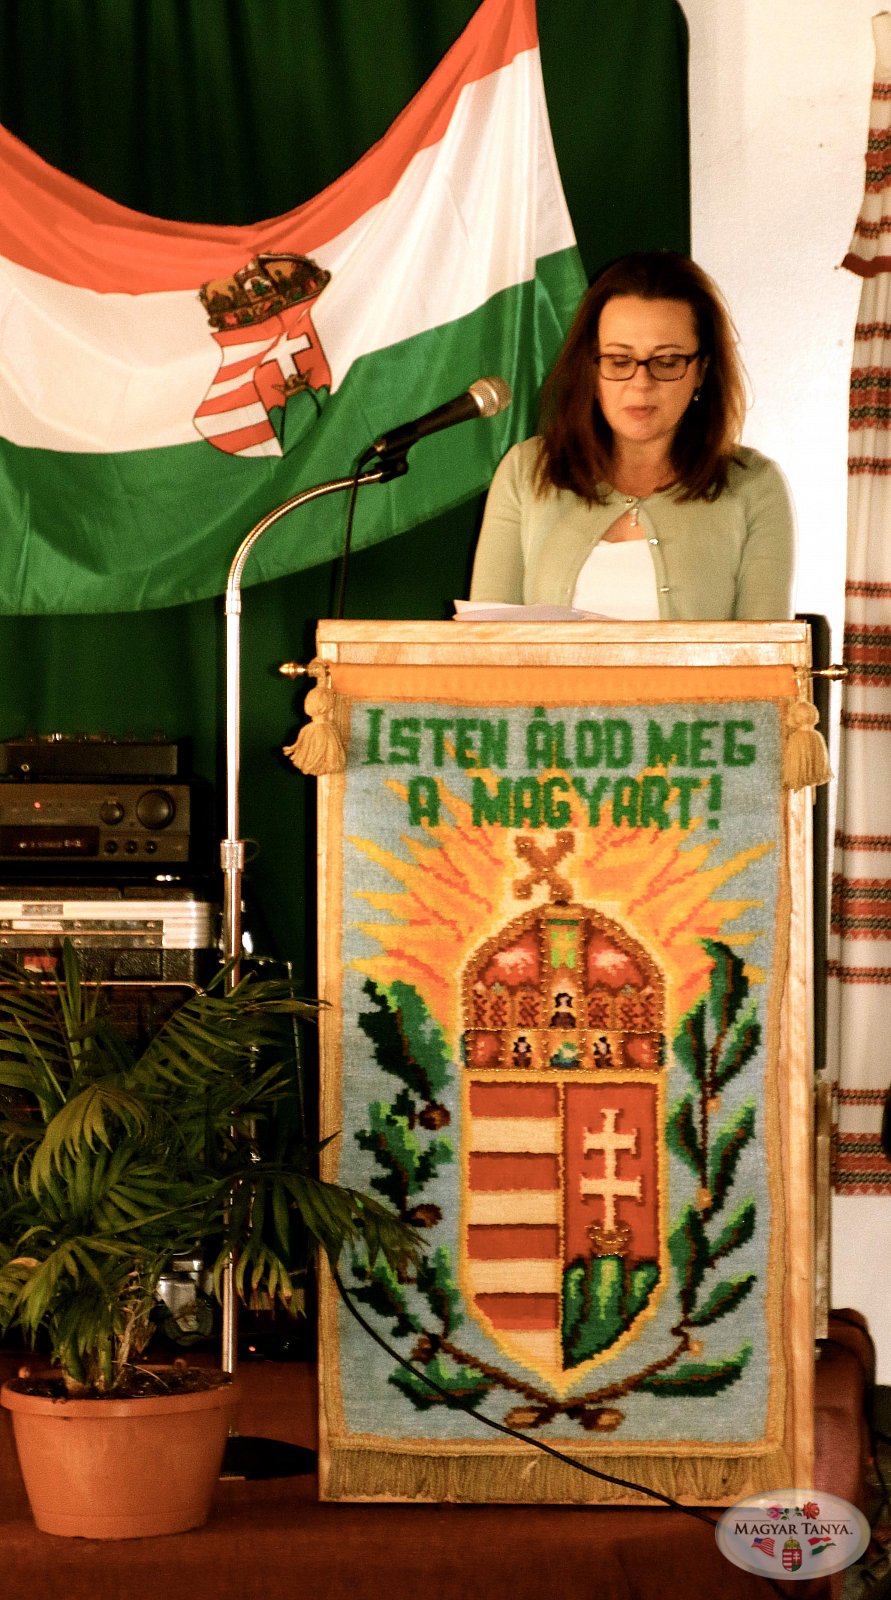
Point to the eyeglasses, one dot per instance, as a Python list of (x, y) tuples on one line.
[(665, 369)]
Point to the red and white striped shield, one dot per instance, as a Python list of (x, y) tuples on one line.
[(563, 1247)]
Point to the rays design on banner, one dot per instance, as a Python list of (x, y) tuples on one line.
[(658, 883)]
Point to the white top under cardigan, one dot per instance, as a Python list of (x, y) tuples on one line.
[(618, 580)]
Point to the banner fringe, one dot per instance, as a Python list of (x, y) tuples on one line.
[(384, 1474)]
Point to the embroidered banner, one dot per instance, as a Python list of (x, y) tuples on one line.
[(555, 981)]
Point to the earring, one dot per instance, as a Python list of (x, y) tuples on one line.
[(696, 393)]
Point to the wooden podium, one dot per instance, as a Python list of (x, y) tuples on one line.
[(564, 890)]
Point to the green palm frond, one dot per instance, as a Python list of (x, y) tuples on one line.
[(112, 1161), (92, 1117)]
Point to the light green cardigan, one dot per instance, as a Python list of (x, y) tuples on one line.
[(722, 560)]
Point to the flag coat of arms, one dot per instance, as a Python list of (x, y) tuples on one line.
[(269, 350), (164, 385)]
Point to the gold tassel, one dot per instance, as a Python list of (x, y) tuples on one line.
[(805, 756), (318, 747)]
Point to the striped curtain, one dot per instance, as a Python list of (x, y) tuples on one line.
[(859, 967)]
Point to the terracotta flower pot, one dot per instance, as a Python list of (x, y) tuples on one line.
[(121, 1469)]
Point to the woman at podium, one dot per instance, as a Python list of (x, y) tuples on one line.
[(637, 499)]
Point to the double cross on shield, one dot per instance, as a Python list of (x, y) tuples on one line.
[(563, 1238)]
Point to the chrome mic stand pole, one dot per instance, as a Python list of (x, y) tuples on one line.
[(232, 847)]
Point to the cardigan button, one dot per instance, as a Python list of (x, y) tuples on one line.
[(664, 589), (654, 541)]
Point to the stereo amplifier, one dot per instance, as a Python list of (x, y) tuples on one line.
[(113, 825)]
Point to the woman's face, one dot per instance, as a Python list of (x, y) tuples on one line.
[(641, 409)]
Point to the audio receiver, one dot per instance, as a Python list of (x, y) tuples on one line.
[(115, 824)]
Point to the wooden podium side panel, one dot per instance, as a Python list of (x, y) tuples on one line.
[(564, 941)]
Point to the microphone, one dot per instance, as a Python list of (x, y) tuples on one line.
[(485, 398)]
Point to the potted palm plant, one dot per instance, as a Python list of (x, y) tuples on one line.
[(115, 1159)]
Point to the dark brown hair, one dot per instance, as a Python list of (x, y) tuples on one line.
[(576, 443)]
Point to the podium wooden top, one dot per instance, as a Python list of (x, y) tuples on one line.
[(579, 643)]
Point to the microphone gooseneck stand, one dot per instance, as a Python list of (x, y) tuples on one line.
[(232, 847), (247, 1457), (486, 397)]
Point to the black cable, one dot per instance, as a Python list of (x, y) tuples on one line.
[(525, 1438), (389, 467), (347, 544)]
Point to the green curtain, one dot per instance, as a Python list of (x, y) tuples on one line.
[(229, 111)]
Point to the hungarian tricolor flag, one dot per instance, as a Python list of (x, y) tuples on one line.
[(164, 385)]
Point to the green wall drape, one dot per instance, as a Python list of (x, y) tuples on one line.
[(229, 111)]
